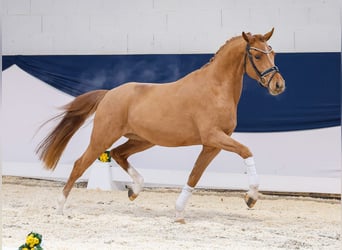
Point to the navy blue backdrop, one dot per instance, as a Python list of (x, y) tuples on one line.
[(311, 100)]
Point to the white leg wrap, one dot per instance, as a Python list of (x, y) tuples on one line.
[(60, 204), (138, 180), (253, 178), (181, 202), (183, 198)]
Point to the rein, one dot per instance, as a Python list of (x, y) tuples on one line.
[(261, 75)]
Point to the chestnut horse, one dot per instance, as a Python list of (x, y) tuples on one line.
[(198, 109)]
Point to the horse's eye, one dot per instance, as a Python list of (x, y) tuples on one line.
[(257, 57)]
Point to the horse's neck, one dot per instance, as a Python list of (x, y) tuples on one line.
[(227, 71)]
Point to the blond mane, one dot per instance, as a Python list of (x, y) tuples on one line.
[(219, 50)]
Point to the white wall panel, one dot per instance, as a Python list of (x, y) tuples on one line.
[(293, 17), (324, 16), (52, 7), (19, 7), (23, 25), (105, 23), (308, 38), (110, 5), (191, 5), (284, 42), (140, 42), (148, 21), (73, 25), (199, 42), (108, 43), (188, 26), (197, 20), (166, 42), (236, 20)]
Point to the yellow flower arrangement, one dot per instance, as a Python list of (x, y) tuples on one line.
[(33, 241), (105, 157)]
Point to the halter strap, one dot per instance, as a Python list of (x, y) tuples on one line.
[(261, 75)]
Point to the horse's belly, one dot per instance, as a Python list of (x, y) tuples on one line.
[(166, 133)]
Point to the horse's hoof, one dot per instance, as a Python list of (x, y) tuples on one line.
[(179, 218), (180, 221), (249, 201), (131, 194)]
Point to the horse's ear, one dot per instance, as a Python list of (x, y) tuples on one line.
[(248, 37), (268, 35)]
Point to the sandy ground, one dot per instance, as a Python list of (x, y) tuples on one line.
[(96, 219)]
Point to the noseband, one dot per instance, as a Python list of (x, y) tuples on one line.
[(261, 75)]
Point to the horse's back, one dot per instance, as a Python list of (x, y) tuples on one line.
[(155, 112), (133, 93)]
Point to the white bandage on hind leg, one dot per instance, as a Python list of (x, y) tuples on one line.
[(138, 180), (253, 178), (60, 204), (183, 198)]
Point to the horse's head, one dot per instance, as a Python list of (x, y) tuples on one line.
[(259, 62)]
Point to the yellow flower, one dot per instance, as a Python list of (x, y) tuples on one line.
[(29, 239), (104, 157)]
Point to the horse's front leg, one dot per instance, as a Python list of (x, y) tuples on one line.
[(251, 196), (206, 156), (222, 140)]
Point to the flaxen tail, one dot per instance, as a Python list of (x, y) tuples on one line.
[(75, 114)]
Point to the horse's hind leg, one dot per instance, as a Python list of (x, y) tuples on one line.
[(99, 142), (120, 155), (80, 166)]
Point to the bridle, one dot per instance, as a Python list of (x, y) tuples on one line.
[(274, 69)]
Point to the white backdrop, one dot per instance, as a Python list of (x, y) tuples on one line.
[(307, 161)]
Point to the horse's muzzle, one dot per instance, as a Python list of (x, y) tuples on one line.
[(277, 85)]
